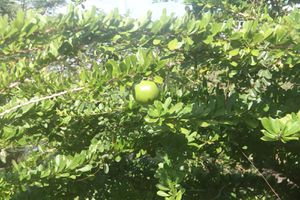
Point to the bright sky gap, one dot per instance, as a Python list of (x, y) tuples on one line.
[(136, 8)]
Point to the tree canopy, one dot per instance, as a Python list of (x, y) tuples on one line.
[(234, 7), (224, 124), (9, 7)]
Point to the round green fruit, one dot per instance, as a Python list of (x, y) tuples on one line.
[(146, 92)]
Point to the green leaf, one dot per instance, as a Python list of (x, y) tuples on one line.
[(216, 28), (206, 17), (204, 124), (66, 120), (8, 132), (63, 175), (60, 163), (156, 27), (280, 33), (271, 125), (268, 139), (255, 52), (114, 67), (156, 42), (162, 193), (167, 103), (269, 135), (189, 41), (209, 39), (27, 108), (233, 63), (190, 26), (106, 168), (151, 120), (45, 173), (76, 161), (116, 38), (179, 195), (176, 108), (174, 44), (291, 128), (161, 187), (3, 155), (234, 52), (290, 138), (118, 158), (258, 37), (154, 113), (158, 79), (265, 73), (86, 168)]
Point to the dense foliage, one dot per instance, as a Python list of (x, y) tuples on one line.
[(71, 128), (238, 7)]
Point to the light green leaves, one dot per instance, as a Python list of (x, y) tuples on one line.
[(255, 52), (216, 28), (3, 155), (158, 79), (206, 18), (283, 129), (161, 111), (174, 44), (162, 193), (113, 68), (86, 168), (8, 132), (234, 52), (156, 41), (54, 46), (280, 33), (271, 125)]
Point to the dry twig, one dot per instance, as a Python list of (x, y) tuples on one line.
[(269, 185)]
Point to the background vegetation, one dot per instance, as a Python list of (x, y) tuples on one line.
[(225, 125)]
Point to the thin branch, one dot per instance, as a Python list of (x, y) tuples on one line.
[(40, 99), (262, 176), (219, 193), (93, 174)]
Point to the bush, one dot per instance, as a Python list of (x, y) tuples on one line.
[(70, 127)]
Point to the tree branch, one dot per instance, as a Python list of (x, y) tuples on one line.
[(40, 99), (278, 198)]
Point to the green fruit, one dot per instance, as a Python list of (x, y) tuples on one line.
[(146, 92)]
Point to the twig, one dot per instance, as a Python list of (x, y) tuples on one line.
[(262, 176), (84, 178), (219, 193), (40, 99)]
